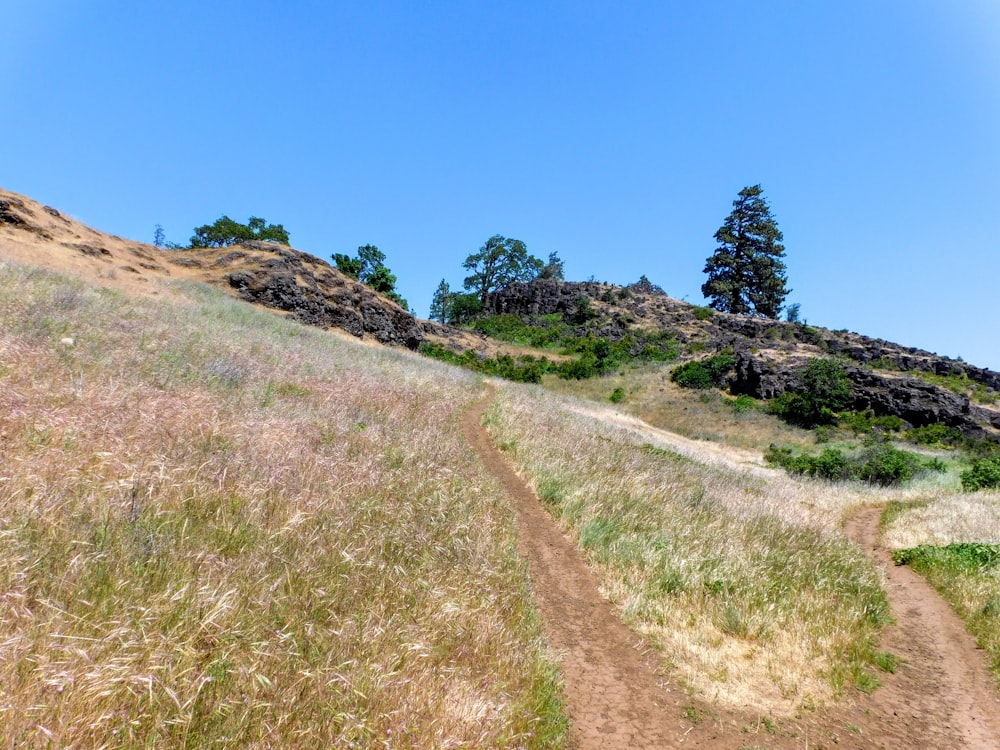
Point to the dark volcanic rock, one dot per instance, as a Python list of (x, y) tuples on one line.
[(913, 400), (541, 297), (9, 214), (317, 295)]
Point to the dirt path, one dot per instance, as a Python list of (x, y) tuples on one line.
[(614, 697), (942, 693), (942, 697)]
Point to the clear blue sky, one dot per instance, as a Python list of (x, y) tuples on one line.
[(616, 134)]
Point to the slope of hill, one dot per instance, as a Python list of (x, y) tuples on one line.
[(917, 386), (220, 527), (275, 276)]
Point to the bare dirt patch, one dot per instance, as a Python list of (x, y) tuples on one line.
[(942, 692)]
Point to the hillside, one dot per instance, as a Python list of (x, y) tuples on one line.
[(917, 386), (222, 527), (275, 276)]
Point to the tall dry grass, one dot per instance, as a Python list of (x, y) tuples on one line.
[(737, 572), (220, 528), (699, 415)]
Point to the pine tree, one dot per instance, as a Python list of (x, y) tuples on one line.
[(440, 302), (746, 274)]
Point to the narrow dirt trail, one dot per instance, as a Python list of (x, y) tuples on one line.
[(942, 695), (614, 697)]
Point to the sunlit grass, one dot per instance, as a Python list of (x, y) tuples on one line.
[(738, 573), (700, 415), (220, 528), (972, 591)]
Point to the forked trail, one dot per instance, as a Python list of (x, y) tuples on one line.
[(942, 697)]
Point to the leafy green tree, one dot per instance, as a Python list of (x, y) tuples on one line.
[(826, 390), (746, 274), (500, 262), (553, 269), (225, 232), (369, 268), (463, 308), (347, 265)]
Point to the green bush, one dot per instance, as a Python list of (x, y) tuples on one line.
[(742, 404), (704, 373), (887, 466), (865, 422), (958, 556), (703, 313), (935, 434), (983, 474), (883, 465), (827, 389), (617, 395)]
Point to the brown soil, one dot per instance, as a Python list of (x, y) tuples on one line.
[(942, 694), (617, 696)]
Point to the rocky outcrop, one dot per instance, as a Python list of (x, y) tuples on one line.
[(542, 297), (771, 354), (312, 292), (915, 401)]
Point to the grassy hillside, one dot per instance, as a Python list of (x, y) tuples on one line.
[(221, 528)]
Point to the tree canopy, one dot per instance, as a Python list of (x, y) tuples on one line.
[(226, 232), (501, 261), (368, 267), (746, 274)]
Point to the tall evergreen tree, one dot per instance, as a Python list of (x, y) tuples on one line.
[(440, 302), (746, 274)]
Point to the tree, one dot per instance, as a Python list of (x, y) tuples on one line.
[(500, 262), (369, 268), (225, 232), (746, 274), (553, 269), (440, 302), (159, 238)]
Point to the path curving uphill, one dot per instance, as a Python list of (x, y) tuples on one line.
[(613, 695), (942, 695)]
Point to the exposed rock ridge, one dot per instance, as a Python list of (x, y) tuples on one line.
[(315, 293), (771, 354)]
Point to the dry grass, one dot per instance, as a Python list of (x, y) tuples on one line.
[(219, 528), (944, 518), (972, 591), (739, 573), (699, 415)]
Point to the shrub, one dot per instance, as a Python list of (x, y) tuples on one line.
[(703, 313), (983, 474), (863, 422), (583, 311), (886, 466), (704, 373), (883, 465), (743, 404), (617, 395), (827, 389), (935, 434)]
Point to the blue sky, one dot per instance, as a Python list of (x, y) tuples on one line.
[(615, 134)]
